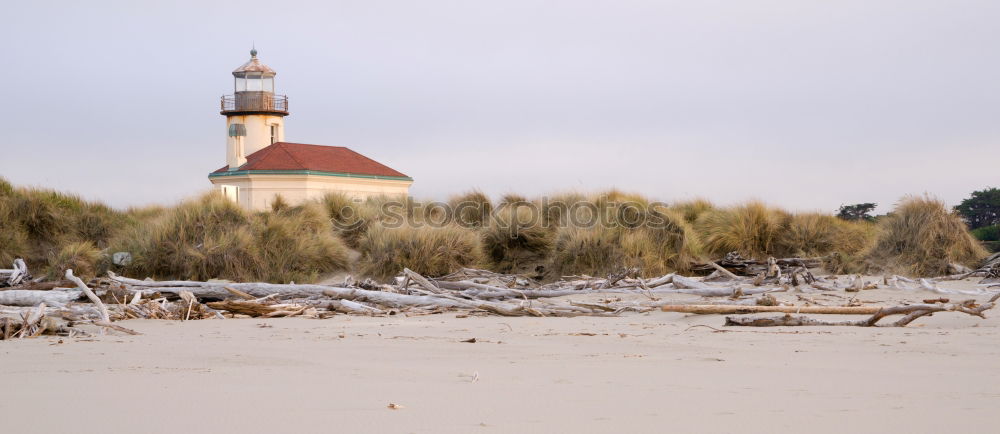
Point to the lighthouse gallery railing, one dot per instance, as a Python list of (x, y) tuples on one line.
[(255, 102)]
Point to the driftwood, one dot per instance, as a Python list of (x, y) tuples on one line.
[(910, 313), (738, 265), (728, 309), (480, 292), (426, 294), (105, 317), (245, 307), (41, 286), (218, 291), (724, 271), (24, 297), (32, 323), (16, 275)]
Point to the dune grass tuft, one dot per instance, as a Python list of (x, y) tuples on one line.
[(13, 237), (591, 251), (212, 237), (750, 229), (666, 243), (515, 238), (431, 251), (298, 244), (350, 217), (922, 238), (815, 234), (692, 209), (37, 223), (81, 256), (471, 209)]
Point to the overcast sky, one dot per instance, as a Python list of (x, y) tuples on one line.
[(803, 104)]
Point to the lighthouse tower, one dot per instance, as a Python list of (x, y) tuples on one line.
[(255, 116), (262, 167)]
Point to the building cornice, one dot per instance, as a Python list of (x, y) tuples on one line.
[(305, 172)]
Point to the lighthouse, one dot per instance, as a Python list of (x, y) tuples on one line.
[(261, 165), (255, 116)]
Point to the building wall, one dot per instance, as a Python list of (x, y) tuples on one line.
[(258, 132), (257, 192)]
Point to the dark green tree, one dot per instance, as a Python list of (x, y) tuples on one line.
[(858, 211), (982, 208)]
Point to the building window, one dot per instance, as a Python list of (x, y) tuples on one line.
[(237, 130), (274, 133), (231, 192)]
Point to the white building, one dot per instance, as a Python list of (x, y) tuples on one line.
[(261, 165)]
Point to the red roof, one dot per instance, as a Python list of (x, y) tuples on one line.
[(299, 156)]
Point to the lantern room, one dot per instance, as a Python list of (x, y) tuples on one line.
[(253, 90), (254, 76)]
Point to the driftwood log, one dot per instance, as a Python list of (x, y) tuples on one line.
[(705, 309), (25, 297), (909, 312), (738, 265), (16, 275)]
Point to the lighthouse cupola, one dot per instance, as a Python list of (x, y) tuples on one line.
[(254, 114)]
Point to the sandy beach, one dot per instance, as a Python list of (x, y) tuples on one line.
[(654, 372)]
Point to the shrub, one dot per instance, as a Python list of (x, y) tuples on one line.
[(350, 217), (858, 211), (471, 209), (987, 233), (922, 238), (298, 244), (750, 229), (199, 239), (99, 224), (38, 223), (13, 237), (212, 237), (693, 209), (432, 251), (6, 188), (44, 215), (279, 203), (666, 243), (814, 234), (982, 208), (514, 238), (513, 199), (145, 213), (592, 251), (82, 257), (630, 232), (555, 209)]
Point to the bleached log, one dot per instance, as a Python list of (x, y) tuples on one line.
[(348, 306), (31, 321), (681, 282), (90, 294), (910, 313), (218, 290), (730, 309), (243, 307), (156, 283), (662, 280), (19, 273), (25, 297), (687, 285), (83, 311), (117, 327), (724, 271), (421, 280)]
